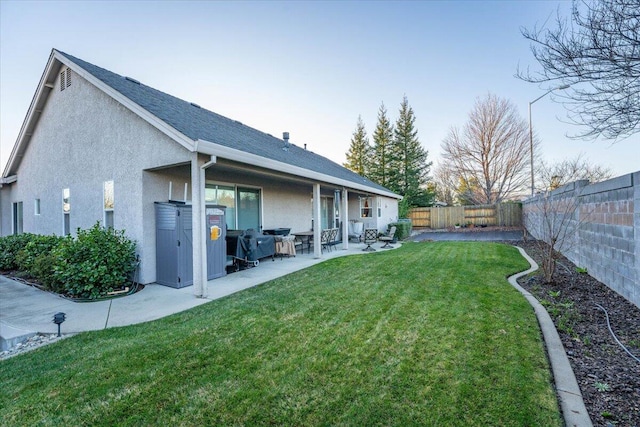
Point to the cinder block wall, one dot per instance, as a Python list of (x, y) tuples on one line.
[(606, 240)]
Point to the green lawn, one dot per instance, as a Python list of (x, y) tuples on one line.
[(428, 334)]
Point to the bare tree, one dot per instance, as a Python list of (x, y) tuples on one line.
[(554, 175), (554, 218), (446, 184), (597, 53), (491, 152)]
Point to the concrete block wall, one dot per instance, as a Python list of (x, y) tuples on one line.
[(604, 235)]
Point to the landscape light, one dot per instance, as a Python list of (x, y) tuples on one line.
[(58, 318)]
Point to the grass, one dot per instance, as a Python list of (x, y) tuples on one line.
[(428, 334)]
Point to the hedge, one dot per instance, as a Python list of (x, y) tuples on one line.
[(403, 228), (90, 265)]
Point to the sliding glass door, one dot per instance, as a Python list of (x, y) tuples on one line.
[(243, 205), (248, 208)]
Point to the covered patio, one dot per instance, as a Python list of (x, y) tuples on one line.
[(262, 198)]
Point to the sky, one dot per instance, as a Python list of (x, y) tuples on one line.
[(308, 68)]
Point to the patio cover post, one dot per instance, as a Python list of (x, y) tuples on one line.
[(317, 222), (198, 225), (345, 219)]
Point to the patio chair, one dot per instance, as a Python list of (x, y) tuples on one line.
[(333, 238), (325, 239), (388, 238), (355, 230), (298, 243), (370, 237)]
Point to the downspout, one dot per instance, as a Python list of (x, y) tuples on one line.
[(200, 283)]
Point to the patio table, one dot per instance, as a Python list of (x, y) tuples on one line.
[(305, 238)]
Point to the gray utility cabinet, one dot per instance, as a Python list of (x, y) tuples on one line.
[(174, 243)]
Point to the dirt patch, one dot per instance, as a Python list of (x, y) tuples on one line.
[(609, 378)]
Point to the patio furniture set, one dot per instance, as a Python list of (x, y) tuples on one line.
[(245, 248)]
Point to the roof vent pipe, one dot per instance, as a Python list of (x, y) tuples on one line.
[(285, 136), (305, 147)]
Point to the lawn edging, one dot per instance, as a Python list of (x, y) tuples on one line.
[(573, 409)]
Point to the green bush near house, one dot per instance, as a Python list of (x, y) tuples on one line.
[(90, 265), (9, 248), (96, 262), (403, 228), (36, 246)]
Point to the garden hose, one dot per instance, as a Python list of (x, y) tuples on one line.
[(614, 335)]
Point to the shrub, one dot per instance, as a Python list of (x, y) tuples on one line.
[(36, 246), (403, 208), (9, 248), (403, 228), (43, 270), (96, 262)]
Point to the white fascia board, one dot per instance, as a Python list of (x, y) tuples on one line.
[(214, 149), (154, 121)]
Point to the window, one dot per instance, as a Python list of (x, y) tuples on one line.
[(224, 195), (365, 207), (243, 204), (248, 208), (326, 218), (336, 208), (66, 211), (108, 204), (36, 207), (17, 218), (379, 203)]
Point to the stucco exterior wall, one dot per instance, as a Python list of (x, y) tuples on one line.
[(287, 206), (83, 139), (388, 212)]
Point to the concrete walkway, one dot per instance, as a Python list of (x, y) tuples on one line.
[(25, 310)]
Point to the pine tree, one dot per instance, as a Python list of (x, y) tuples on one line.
[(382, 141), (409, 159), (359, 151)]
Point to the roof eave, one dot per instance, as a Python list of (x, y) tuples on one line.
[(213, 149)]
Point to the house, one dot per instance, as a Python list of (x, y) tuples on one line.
[(98, 146)]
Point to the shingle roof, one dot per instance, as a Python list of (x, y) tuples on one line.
[(199, 123)]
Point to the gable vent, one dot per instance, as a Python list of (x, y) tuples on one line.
[(131, 79), (65, 79)]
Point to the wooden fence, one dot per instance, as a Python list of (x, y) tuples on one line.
[(502, 214)]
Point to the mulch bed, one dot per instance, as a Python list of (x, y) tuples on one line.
[(609, 378)]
